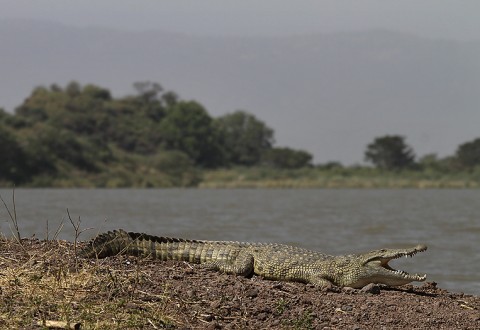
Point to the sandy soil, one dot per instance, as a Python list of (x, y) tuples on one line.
[(41, 281)]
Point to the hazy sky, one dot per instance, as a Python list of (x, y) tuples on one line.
[(437, 19), (432, 18)]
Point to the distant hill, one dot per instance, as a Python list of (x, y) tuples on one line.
[(330, 94)]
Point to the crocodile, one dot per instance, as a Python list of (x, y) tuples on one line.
[(269, 260)]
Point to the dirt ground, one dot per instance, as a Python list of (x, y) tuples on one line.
[(42, 282)]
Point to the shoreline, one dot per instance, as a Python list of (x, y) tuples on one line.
[(261, 177), (44, 281)]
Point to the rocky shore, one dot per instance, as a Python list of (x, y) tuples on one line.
[(43, 285)]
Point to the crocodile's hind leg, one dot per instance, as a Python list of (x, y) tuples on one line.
[(320, 282), (241, 265)]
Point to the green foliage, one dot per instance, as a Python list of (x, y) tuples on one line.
[(128, 125), (188, 127), (95, 93), (344, 177), (287, 158), (330, 165), (430, 163), (12, 165), (61, 132), (34, 109), (390, 152), (468, 154), (178, 167), (82, 154), (147, 91), (11, 121), (83, 129), (245, 138)]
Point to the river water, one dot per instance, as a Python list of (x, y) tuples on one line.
[(335, 221)]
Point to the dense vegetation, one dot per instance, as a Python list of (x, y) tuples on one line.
[(83, 136)]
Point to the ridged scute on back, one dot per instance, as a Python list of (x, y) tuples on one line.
[(108, 244), (159, 239)]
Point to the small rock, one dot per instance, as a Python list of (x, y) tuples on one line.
[(307, 301), (215, 304), (347, 308), (371, 288), (252, 293), (348, 289), (277, 286), (261, 316), (214, 326), (191, 293)]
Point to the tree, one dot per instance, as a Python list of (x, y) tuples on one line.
[(390, 152), (245, 137), (468, 154), (331, 165), (287, 158), (48, 146), (97, 93), (189, 128), (12, 166)]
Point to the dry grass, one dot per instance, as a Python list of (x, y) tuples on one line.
[(41, 282), (43, 286)]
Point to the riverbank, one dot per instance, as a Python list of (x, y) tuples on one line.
[(362, 177), (42, 282), (146, 176)]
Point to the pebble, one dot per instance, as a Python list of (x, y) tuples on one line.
[(213, 326), (191, 293), (215, 304), (348, 289), (347, 308), (262, 316), (371, 288), (252, 293)]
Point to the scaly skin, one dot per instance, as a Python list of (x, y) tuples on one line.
[(270, 260)]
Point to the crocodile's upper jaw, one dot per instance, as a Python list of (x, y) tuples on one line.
[(376, 269)]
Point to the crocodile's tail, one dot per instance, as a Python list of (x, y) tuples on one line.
[(107, 244), (137, 244)]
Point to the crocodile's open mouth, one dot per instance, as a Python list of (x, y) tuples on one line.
[(384, 260)]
